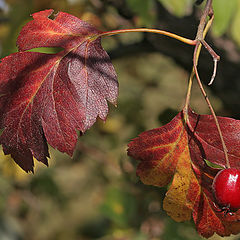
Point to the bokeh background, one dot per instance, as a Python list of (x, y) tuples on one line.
[(96, 194)]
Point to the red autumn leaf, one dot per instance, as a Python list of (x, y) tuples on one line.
[(47, 97), (176, 154)]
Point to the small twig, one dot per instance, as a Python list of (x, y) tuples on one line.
[(215, 57), (208, 11), (195, 60), (214, 71)]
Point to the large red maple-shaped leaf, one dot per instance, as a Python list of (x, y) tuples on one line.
[(176, 154), (47, 97)]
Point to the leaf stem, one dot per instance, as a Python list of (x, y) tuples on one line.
[(149, 30)]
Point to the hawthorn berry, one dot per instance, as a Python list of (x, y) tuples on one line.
[(226, 189)]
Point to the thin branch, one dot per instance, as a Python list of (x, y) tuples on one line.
[(215, 57), (198, 48), (214, 71), (208, 11)]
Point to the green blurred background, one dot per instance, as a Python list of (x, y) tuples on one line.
[(96, 194)]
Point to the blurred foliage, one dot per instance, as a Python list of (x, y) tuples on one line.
[(224, 12), (178, 8), (96, 194), (144, 10), (227, 15)]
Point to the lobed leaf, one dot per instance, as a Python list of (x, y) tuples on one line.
[(47, 97), (175, 154)]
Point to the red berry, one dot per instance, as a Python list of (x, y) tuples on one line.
[(226, 189)]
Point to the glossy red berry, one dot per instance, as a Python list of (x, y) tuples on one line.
[(226, 189)]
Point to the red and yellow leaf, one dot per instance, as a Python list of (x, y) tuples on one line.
[(178, 204), (176, 154), (159, 150)]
